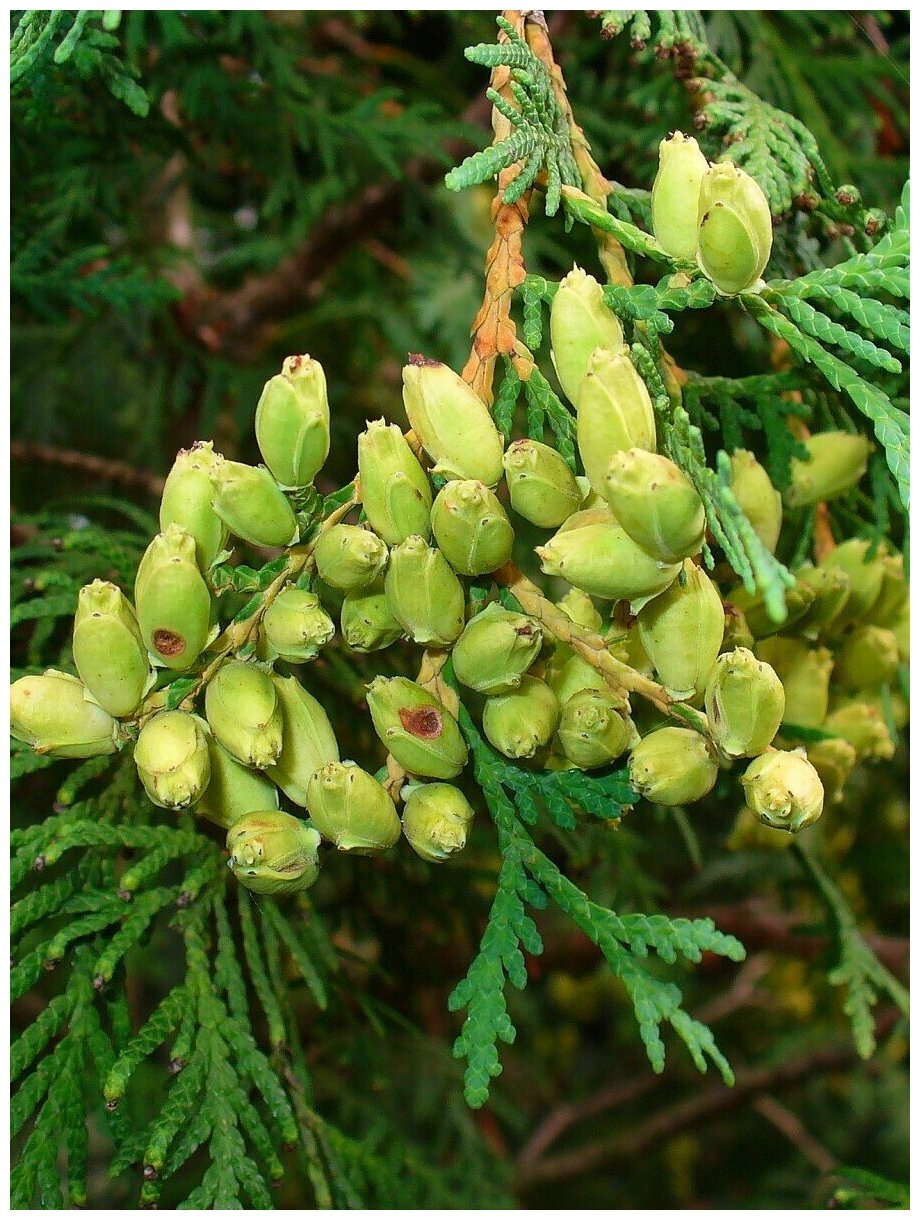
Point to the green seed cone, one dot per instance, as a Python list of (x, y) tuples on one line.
[(799, 600), (735, 228), (349, 557), (416, 728), (367, 621), (784, 790), (805, 674), (758, 499), (745, 702), (172, 759), (172, 599), (834, 760), (452, 423), (108, 649), (435, 821), (52, 713), (681, 630), (864, 727), (676, 194), (233, 790), (657, 505), (614, 413), (307, 742), (188, 501), (292, 422), (424, 594), (868, 658), (569, 674), (295, 627), (593, 729), (900, 628), (522, 721), (866, 575), (496, 649), (471, 527), (604, 561), (673, 766), (252, 505), (541, 486), (273, 853), (737, 633), (836, 462), (579, 323), (579, 607), (244, 713), (892, 599), (395, 490), (351, 809), (831, 587)]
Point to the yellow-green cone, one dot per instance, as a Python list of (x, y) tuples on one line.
[(579, 323), (834, 760), (866, 575), (351, 809), (864, 727), (172, 599), (416, 728), (569, 674), (744, 703), (252, 505), (367, 621), (805, 674), (307, 742), (349, 557), (295, 627), (244, 713), (522, 721), (541, 486), (395, 490), (233, 790), (676, 194), (273, 853), (593, 729), (604, 561), (292, 422), (831, 587), (673, 766), (892, 598), (172, 760), (799, 600), (452, 422), (435, 821), (188, 501), (614, 413), (836, 462), (108, 649), (735, 228), (52, 713), (758, 499), (681, 630), (784, 790), (496, 649), (868, 658), (424, 594), (657, 505), (579, 607), (471, 527)]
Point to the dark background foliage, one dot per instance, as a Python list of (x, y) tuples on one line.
[(199, 194)]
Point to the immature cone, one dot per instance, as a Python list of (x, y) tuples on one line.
[(834, 760), (52, 712), (496, 649), (273, 853), (831, 587), (295, 627), (351, 809), (522, 721), (784, 790), (435, 821), (244, 713), (864, 727), (578, 606), (614, 413), (867, 658), (424, 594), (416, 728), (799, 600), (541, 486), (805, 674), (866, 571), (673, 766), (108, 649), (395, 491), (252, 505), (172, 760), (579, 323), (737, 633), (836, 462), (188, 501), (758, 499), (735, 228), (172, 599), (471, 527), (233, 790), (892, 599), (569, 674), (292, 422), (349, 557), (657, 505), (367, 621), (604, 561), (593, 729), (307, 742), (452, 422), (900, 629), (681, 630), (744, 703), (676, 193)]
